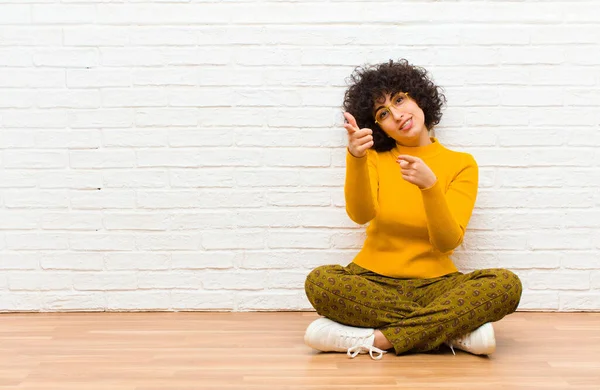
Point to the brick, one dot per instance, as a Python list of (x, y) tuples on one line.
[(72, 261), (28, 35), (39, 199), (134, 261), (36, 281), (70, 301), (168, 280), (233, 280), (124, 178), (205, 260), (207, 178), (94, 36), (15, 14), (203, 300), (135, 221), (35, 159), (79, 180), (138, 300), (99, 198), (63, 13), (101, 241), (299, 239), (101, 77), (565, 280), (104, 281), (231, 240), (66, 58), (168, 241), (80, 159)]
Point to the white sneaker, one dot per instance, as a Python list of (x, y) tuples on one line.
[(327, 335), (481, 341)]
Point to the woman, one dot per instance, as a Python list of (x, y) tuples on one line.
[(402, 291)]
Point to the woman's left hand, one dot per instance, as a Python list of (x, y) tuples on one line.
[(415, 171)]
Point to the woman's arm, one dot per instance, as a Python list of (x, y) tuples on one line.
[(361, 187), (448, 213)]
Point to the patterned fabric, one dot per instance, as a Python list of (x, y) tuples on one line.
[(415, 315)]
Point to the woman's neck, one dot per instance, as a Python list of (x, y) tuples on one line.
[(423, 140)]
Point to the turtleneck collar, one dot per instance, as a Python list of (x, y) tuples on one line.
[(429, 150)]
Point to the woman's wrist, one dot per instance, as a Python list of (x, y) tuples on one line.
[(428, 187), (353, 155)]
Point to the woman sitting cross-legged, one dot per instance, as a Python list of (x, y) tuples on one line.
[(402, 291)]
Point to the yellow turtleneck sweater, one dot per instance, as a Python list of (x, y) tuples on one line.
[(412, 232)]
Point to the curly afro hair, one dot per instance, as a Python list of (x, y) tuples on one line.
[(369, 83)]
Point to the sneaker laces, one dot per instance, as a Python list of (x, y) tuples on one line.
[(359, 348), (360, 345)]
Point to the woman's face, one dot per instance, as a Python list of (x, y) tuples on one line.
[(401, 118)]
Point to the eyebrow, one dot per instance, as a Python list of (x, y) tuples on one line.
[(381, 106), (392, 95)]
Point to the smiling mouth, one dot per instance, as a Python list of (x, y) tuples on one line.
[(407, 125)]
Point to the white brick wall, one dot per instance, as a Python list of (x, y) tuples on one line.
[(187, 154)]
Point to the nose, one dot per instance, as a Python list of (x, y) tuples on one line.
[(396, 113)]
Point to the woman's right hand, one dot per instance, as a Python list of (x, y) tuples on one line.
[(359, 140)]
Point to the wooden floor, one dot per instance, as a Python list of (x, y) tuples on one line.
[(177, 351)]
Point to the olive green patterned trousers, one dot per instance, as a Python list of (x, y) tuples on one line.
[(415, 315)]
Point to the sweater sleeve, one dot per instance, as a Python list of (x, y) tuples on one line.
[(361, 187), (448, 213)]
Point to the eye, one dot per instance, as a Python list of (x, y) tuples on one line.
[(399, 99), (381, 115)]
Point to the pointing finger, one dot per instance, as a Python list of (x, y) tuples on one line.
[(350, 118), (409, 158), (349, 128)]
